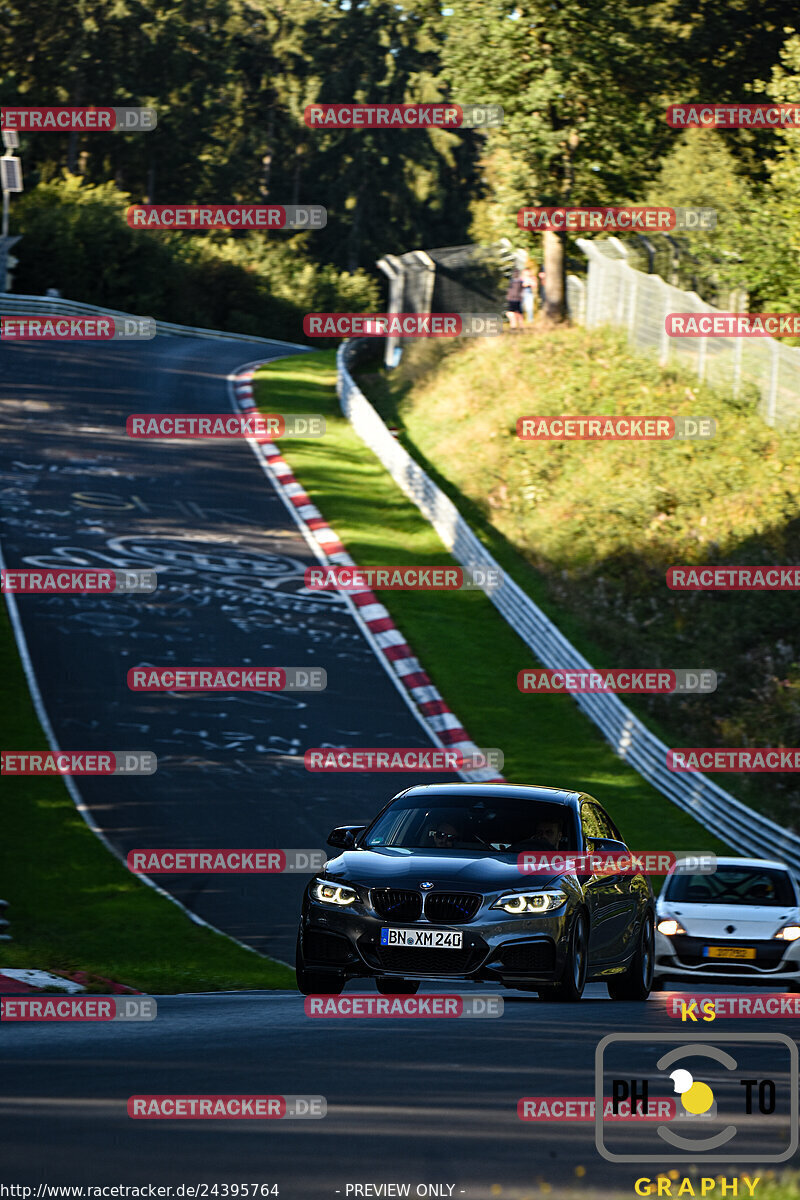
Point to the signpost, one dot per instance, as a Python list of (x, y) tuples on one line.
[(6, 263), (11, 180)]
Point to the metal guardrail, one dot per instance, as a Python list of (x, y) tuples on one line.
[(717, 810), (5, 936), (12, 304)]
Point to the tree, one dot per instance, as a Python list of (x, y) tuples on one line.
[(702, 171), (580, 84)]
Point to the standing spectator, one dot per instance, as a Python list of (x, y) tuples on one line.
[(542, 288), (529, 283), (514, 301)]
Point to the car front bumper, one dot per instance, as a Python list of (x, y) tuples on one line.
[(681, 957), (503, 948)]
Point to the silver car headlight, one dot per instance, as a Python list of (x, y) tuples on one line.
[(524, 903), (788, 933), (333, 893)]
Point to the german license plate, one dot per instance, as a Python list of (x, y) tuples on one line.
[(430, 939), (730, 952)]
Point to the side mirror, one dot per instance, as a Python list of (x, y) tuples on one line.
[(343, 837), (605, 846)]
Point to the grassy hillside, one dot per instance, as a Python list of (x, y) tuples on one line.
[(590, 528)]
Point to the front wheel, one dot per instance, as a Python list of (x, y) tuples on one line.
[(396, 987), (573, 980), (316, 983), (636, 982)]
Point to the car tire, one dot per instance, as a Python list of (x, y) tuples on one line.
[(636, 982), (396, 987), (316, 983), (573, 978)]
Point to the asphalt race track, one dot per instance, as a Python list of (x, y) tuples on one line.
[(76, 491), (409, 1100), (424, 1101)]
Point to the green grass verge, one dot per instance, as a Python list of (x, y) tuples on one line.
[(589, 530), (73, 906), (466, 647)]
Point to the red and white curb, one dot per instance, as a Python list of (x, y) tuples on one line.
[(435, 714), (35, 981), (22, 981)]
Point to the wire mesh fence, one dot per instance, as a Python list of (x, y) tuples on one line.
[(617, 294)]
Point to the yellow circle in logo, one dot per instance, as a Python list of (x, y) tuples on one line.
[(698, 1098)]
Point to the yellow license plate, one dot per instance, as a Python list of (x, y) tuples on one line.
[(730, 952)]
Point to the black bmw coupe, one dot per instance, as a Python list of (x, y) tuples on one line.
[(432, 890)]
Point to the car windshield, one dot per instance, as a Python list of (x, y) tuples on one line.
[(733, 885), (481, 824)]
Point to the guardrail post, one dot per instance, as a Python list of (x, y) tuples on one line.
[(702, 347), (772, 398), (737, 367), (664, 349)]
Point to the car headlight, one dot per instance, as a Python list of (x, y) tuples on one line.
[(670, 927), (522, 903), (789, 933), (333, 893)]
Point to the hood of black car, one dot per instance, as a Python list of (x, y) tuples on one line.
[(390, 867)]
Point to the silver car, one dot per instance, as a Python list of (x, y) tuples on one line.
[(739, 925)]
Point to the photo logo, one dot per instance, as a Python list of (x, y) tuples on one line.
[(403, 116), (609, 428), (56, 328), (27, 119), (738, 1104), (418, 325), (227, 216)]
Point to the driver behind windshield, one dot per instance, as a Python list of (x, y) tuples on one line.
[(445, 835), (549, 834)]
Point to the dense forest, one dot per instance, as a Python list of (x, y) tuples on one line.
[(584, 86)]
